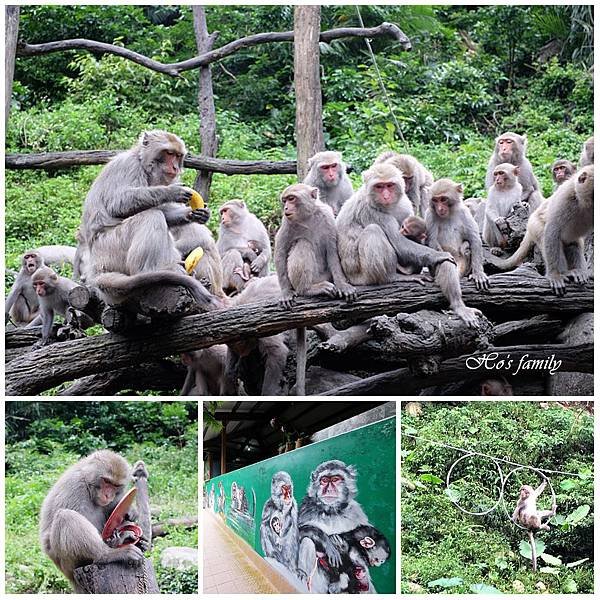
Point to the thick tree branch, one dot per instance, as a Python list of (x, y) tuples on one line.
[(62, 160), (49, 366), (175, 69)]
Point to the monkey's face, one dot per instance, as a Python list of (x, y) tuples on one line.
[(408, 181), (505, 147), (106, 491), (332, 488), (41, 287), (385, 193), (286, 493), (500, 178), (330, 174), (525, 492), (31, 261), (441, 206), (172, 163), (560, 173), (227, 216)]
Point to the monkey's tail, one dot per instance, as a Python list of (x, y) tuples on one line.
[(533, 554), (301, 361), (518, 257), (120, 284)]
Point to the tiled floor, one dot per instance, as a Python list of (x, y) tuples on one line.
[(228, 570)]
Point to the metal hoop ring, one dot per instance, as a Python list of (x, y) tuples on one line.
[(456, 503), (539, 472)]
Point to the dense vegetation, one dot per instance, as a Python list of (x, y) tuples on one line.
[(447, 550), (474, 72), (42, 438)]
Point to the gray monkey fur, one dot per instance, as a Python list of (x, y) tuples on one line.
[(22, 303), (334, 194), (587, 153)]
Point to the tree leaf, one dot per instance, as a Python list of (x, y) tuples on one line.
[(551, 560), (446, 582), (578, 514), (482, 588)]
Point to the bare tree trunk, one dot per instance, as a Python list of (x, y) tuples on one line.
[(206, 101), (11, 36), (307, 85)]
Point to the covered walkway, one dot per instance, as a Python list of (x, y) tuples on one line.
[(231, 566)]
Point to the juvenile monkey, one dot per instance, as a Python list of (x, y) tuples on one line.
[(569, 219), (587, 153), (417, 179), (75, 510), (476, 207), (327, 172), (415, 229), (53, 296), (254, 249), (511, 148), (238, 227), (126, 218), (206, 372), (561, 171), (527, 514), (505, 192), (451, 228), (371, 245), (22, 305)]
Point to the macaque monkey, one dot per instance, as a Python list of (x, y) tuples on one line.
[(52, 291), (561, 171), (504, 193), (76, 509), (415, 229), (527, 514), (451, 228), (126, 219), (570, 218), (206, 372), (253, 250), (238, 227), (417, 179), (496, 387), (209, 270), (511, 148), (57, 254), (371, 245), (327, 171), (476, 207), (587, 153), (22, 305)]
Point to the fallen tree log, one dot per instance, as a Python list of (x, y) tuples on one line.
[(161, 529), (55, 364), (404, 382)]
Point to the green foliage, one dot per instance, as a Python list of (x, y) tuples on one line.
[(440, 542)]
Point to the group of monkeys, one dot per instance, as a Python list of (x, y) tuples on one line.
[(137, 229)]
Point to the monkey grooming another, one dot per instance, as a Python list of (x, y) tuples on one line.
[(126, 217), (561, 171), (238, 227), (505, 192), (75, 510), (511, 148), (371, 245), (306, 258), (452, 228), (327, 172), (527, 514), (53, 296), (22, 304)]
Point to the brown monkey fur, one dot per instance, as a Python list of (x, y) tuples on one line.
[(327, 172), (206, 372), (126, 219), (76, 508), (452, 228), (22, 303), (511, 148)]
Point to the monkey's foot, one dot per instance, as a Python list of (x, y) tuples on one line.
[(334, 344), (470, 316), (496, 251), (481, 281), (558, 283), (579, 275), (346, 292)]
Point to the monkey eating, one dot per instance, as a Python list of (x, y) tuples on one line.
[(76, 509), (527, 514), (126, 217), (22, 303), (327, 172)]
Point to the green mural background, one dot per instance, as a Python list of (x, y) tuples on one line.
[(371, 449)]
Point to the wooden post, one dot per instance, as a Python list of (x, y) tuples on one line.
[(11, 37), (307, 85), (206, 101)]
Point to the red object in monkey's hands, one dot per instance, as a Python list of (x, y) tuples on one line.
[(117, 532)]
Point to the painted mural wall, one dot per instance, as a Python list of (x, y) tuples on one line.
[(323, 515)]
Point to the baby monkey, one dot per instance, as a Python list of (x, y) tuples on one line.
[(414, 228), (527, 514)]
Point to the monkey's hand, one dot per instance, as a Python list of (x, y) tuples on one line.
[(468, 315), (481, 280), (557, 283), (443, 257), (334, 558), (501, 224), (257, 264), (180, 193), (144, 544), (200, 215), (346, 292), (287, 300), (139, 470)]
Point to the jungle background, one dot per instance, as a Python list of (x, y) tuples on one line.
[(44, 438), (474, 72), (445, 550)]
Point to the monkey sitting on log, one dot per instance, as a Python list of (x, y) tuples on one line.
[(327, 172), (75, 510), (511, 148), (126, 218), (52, 291), (527, 514), (371, 245), (452, 228), (22, 304)]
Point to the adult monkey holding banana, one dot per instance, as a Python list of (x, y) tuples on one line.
[(126, 219)]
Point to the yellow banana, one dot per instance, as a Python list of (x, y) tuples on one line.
[(196, 201), (193, 258)]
